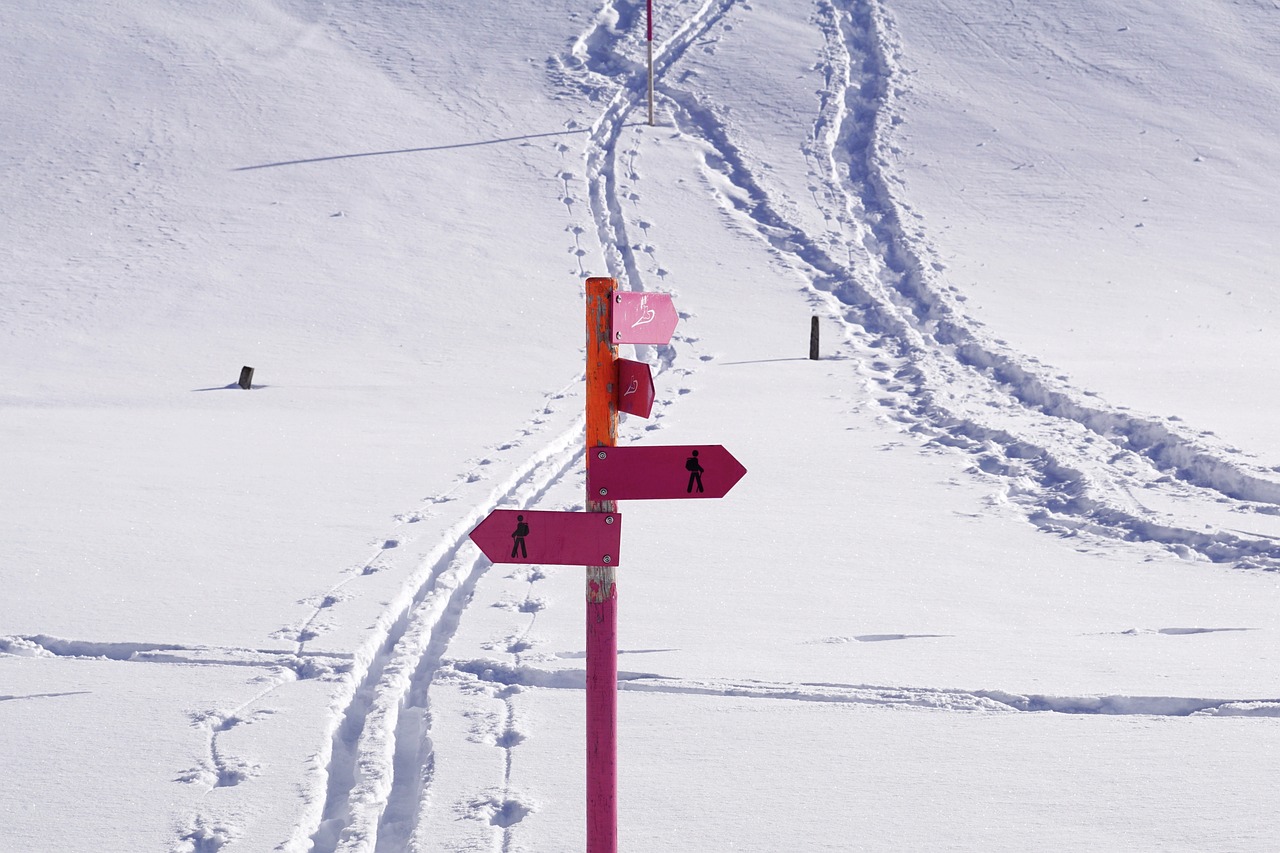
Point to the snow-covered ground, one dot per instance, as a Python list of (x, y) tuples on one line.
[(1003, 572)]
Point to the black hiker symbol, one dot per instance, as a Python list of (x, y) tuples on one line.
[(694, 467), (522, 530)]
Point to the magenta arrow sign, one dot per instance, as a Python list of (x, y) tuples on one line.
[(552, 538), (659, 473), (643, 318), (635, 387)]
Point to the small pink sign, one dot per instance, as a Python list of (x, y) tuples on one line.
[(551, 538), (661, 473), (643, 318), (635, 388)]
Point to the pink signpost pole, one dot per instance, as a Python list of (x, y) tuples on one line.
[(602, 594)]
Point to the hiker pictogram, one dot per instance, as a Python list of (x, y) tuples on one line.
[(521, 531), (694, 467)]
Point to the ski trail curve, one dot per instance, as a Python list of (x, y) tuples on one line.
[(598, 58), (1069, 467), (1134, 452), (394, 668)]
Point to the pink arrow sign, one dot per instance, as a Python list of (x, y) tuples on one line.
[(635, 387), (552, 538), (643, 318), (659, 473)]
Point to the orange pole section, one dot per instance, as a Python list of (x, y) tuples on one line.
[(602, 407)]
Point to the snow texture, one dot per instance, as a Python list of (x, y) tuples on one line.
[(1004, 573)]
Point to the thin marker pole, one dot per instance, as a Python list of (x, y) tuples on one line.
[(650, 36), (602, 593)]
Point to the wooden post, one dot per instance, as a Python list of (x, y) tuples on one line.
[(246, 377), (602, 594), (813, 339)]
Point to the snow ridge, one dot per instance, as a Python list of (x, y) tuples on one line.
[(926, 698)]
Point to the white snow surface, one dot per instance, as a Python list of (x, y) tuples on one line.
[(1004, 573)]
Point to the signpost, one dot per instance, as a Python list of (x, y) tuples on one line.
[(592, 538)]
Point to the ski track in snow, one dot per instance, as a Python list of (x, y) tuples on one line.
[(377, 761), (1073, 467), (380, 761)]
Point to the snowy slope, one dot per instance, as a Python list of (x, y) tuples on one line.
[(1002, 574), (1113, 169)]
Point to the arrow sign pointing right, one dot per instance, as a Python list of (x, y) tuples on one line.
[(659, 473), (550, 538), (643, 318), (635, 388)]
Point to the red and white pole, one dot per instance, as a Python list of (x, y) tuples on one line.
[(602, 593), (650, 37)]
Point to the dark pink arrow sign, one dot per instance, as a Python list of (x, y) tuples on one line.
[(659, 473), (552, 538), (635, 387), (643, 318)]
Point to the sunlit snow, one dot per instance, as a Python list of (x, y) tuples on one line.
[(1002, 575)]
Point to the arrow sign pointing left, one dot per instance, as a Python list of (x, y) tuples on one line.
[(550, 538)]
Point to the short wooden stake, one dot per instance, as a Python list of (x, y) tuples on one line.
[(246, 377), (813, 339)]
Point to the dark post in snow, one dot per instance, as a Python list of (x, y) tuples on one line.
[(246, 377), (813, 339)]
